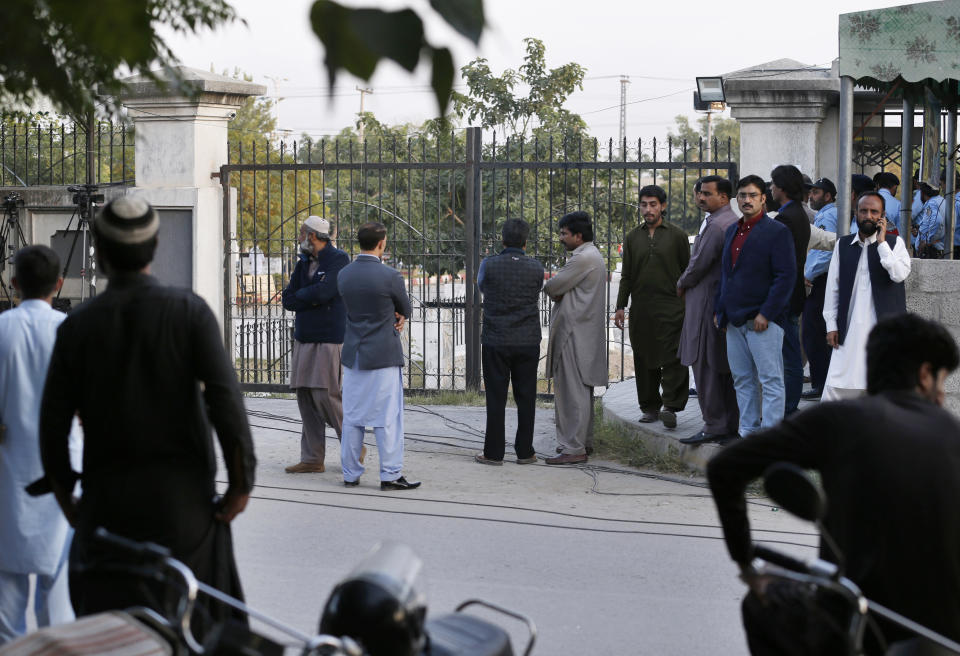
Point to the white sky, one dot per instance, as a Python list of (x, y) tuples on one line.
[(662, 46)]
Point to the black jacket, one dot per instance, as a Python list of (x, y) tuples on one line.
[(144, 368), (891, 470), (795, 218), (321, 316), (511, 283)]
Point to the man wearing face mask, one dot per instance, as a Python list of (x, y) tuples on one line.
[(315, 371), (655, 255), (864, 285)]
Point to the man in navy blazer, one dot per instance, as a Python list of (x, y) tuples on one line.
[(757, 280), (315, 373), (377, 307)]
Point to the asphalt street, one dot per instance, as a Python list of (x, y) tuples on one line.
[(604, 558)]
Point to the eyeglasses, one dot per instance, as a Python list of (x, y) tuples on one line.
[(744, 195)]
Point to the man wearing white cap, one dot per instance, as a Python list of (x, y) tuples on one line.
[(315, 371), (144, 367)]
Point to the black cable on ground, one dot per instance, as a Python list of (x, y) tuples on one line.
[(517, 522), (495, 506)]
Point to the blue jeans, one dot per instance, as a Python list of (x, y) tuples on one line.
[(756, 364), (792, 364)]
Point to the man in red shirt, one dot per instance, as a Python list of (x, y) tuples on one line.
[(757, 279)]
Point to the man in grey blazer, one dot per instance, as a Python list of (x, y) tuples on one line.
[(377, 307), (702, 345)]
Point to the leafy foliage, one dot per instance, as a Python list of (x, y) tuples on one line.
[(71, 52), (491, 98), (41, 149), (356, 40), (689, 144)]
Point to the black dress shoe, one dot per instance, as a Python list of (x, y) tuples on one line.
[(727, 439), (702, 438), (351, 483), (399, 484), (811, 395)]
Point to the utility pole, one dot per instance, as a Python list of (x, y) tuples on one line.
[(276, 92), (363, 93), (709, 131), (624, 81)]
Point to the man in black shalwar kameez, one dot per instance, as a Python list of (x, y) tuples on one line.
[(144, 368)]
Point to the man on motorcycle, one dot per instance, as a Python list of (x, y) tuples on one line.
[(890, 466)]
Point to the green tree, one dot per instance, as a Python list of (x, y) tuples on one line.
[(492, 99), (724, 131), (73, 53), (687, 143)]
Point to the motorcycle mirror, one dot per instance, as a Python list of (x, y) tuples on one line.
[(378, 604), (793, 490)]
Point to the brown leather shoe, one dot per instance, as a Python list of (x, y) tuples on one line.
[(306, 468), (589, 450), (567, 459), (527, 461), (484, 460)]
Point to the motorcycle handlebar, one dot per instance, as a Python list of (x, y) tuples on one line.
[(137, 548), (783, 560)]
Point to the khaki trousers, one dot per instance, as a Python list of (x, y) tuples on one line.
[(573, 404), (318, 407)]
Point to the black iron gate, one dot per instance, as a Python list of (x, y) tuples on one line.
[(443, 198)]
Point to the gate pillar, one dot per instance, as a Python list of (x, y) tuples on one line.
[(181, 143)]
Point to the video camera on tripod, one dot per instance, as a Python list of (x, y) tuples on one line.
[(11, 240), (84, 197)]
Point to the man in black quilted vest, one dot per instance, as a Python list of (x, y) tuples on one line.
[(864, 285), (511, 283)]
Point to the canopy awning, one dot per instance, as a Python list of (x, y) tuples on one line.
[(917, 44)]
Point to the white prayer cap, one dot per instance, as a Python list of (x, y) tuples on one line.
[(127, 220), (318, 225)]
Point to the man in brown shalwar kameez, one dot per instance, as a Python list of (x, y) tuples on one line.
[(655, 254), (315, 371)]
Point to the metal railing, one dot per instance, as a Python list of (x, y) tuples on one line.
[(443, 198), (56, 152)]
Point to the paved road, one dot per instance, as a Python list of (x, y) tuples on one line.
[(605, 559)]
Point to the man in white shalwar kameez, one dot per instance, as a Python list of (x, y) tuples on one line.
[(864, 284), (34, 534), (377, 306)]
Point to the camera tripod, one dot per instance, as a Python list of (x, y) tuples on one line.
[(11, 239), (85, 198)]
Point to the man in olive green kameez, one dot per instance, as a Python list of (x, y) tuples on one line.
[(655, 254)]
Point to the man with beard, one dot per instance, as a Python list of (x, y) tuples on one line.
[(318, 327), (822, 198), (655, 254), (864, 285), (702, 346)]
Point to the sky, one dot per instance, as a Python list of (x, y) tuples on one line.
[(661, 46)]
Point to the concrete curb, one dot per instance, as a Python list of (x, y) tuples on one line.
[(620, 407)]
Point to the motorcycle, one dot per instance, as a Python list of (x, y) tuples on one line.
[(375, 611), (792, 489)]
